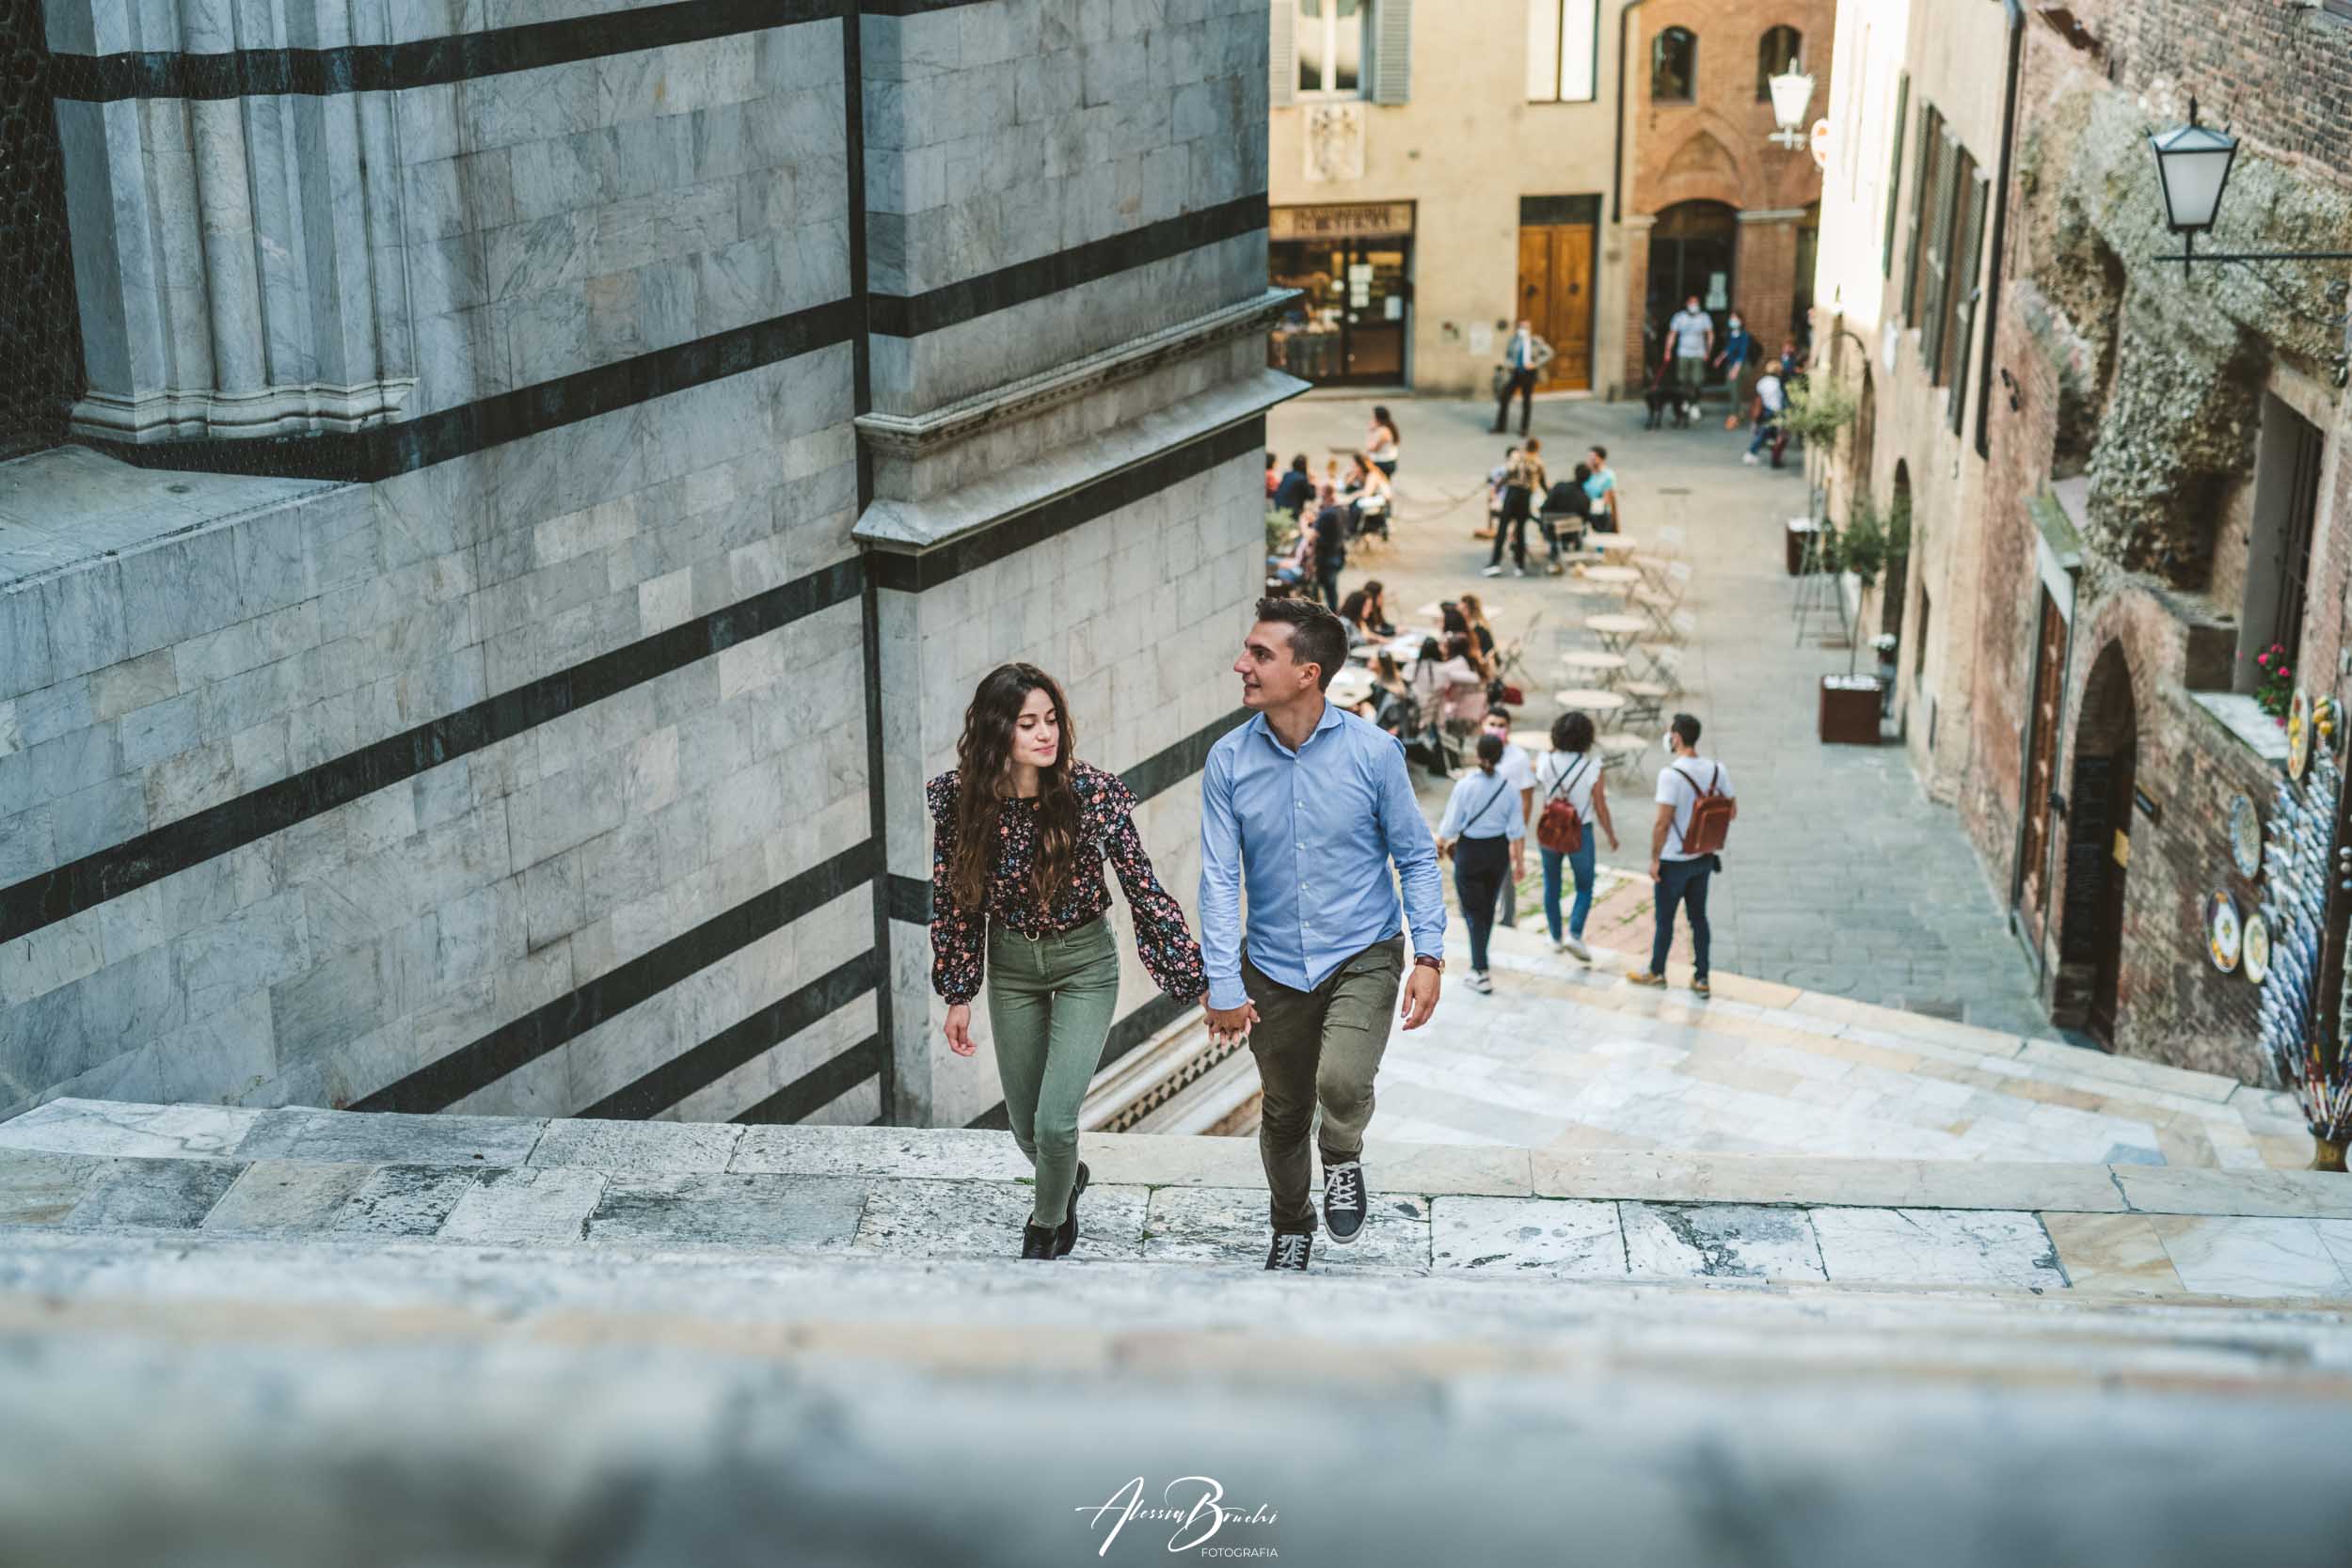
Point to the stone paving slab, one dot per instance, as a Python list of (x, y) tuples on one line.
[(40, 1187), (73, 1126), (525, 1204), (1911, 1246), (306, 1133), (936, 1218), (668, 1147), (953, 1154), (1798, 1179), (2113, 1254), (725, 1209), (405, 1200), (1230, 1225), (162, 1194), (2250, 1259), (287, 1196), (1720, 1240), (1507, 1236)]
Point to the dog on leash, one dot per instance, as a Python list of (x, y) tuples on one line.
[(1668, 402)]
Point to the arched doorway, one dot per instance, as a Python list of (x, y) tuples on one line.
[(2098, 826), (1692, 248)]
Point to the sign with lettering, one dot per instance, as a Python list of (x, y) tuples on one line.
[(1363, 220)]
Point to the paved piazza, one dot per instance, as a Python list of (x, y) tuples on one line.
[(1842, 876)]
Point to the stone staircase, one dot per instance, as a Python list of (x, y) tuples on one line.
[(261, 1336)]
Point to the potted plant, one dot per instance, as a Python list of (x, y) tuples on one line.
[(1851, 703)]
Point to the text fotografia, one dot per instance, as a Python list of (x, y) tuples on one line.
[(1195, 1524)]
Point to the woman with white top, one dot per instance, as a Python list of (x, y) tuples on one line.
[(1571, 772), (1381, 441), (1485, 830)]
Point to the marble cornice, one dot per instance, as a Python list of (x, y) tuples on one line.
[(920, 435)]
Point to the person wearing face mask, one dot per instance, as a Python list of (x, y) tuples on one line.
[(1739, 359), (1519, 769)]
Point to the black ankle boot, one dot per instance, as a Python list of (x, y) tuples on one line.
[(1066, 1235), (1037, 1241)]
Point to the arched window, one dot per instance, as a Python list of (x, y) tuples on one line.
[(1778, 50), (1674, 66)]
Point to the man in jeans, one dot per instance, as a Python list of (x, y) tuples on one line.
[(1312, 806), (1690, 341), (1524, 358), (1681, 877)]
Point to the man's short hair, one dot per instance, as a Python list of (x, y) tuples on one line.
[(1599, 451), (1499, 711), (1317, 637), (1685, 728), (1298, 463)]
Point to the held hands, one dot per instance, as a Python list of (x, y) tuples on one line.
[(1228, 1024), (1421, 995), (959, 1029)]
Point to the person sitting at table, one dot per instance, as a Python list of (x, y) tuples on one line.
[(1297, 489), (1368, 495), (1296, 564), (1377, 608), (1466, 681), (1474, 617), (1425, 690), (1569, 509), (1356, 611)]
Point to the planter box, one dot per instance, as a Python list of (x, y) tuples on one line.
[(1850, 709), (1800, 535)]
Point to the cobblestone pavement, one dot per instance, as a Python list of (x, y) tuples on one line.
[(1842, 876)]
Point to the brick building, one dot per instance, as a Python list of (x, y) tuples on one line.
[(534, 490), (1709, 205), (2162, 495)]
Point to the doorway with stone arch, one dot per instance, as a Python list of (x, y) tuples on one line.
[(2098, 849), (1693, 249)]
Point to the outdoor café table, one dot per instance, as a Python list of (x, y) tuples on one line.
[(1616, 631), (1433, 610), (1613, 544), (1622, 579), (1600, 703), (1596, 664), (1351, 686)]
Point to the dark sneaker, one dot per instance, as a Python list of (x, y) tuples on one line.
[(1290, 1251), (1343, 1206), (1066, 1236), (1037, 1241), (1701, 986)]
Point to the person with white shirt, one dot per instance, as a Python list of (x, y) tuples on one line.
[(1519, 769), (1524, 356), (1771, 406), (1483, 832), (1571, 772), (1690, 339), (1679, 875)]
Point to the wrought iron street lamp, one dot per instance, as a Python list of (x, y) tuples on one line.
[(1792, 94), (2192, 168)]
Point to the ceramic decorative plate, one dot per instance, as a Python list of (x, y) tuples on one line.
[(2255, 947), (2245, 837), (2298, 735), (2221, 932)]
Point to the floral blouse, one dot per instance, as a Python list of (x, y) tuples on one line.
[(1107, 832)]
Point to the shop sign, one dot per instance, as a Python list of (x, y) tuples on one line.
[(1363, 220)]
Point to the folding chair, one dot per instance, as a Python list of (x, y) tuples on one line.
[(1660, 600), (1647, 696), (1681, 626), (1622, 752), (1514, 652)]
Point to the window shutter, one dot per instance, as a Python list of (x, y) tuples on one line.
[(1964, 270), (1283, 53), (1915, 252), (1937, 274), (1895, 172), (1392, 51)]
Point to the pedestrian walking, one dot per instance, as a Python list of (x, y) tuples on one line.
[(1519, 769), (1600, 487), (1695, 809), (1738, 360), (1021, 829), (1523, 483), (1573, 798), (1690, 341), (1381, 442), (1483, 832), (1523, 358), (1312, 810)]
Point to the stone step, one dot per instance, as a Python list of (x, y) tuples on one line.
[(1449, 1210)]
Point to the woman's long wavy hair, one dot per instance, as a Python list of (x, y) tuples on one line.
[(982, 756)]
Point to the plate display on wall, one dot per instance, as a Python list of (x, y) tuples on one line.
[(2245, 838), (2254, 947), (2222, 931), (2299, 734)]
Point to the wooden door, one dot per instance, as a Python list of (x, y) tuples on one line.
[(2033, 854), (1556, 294)]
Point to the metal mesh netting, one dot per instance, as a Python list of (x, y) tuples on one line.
[(41, 346)]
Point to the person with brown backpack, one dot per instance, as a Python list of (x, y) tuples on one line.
[(1574, 799), (1695, 809)]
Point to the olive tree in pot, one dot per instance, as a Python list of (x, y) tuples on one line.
[(1851, 705)]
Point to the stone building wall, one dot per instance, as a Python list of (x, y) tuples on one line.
[(2138, 398), (514, 747)]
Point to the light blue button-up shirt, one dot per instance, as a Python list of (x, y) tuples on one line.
[(1314, 833)]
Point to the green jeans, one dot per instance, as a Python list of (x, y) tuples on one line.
[(1050, 1004), (1319, 1047)]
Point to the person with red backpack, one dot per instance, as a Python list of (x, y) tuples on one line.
[(1695, 810), (1574, 799)]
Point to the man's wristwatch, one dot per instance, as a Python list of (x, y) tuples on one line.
[(1431, 959)]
